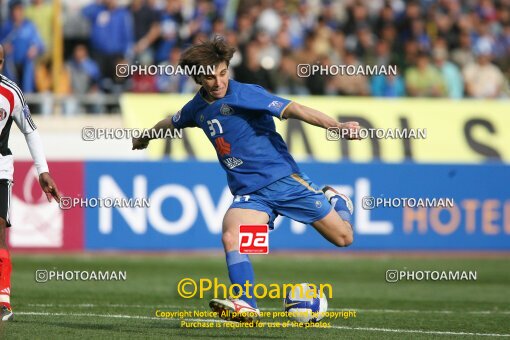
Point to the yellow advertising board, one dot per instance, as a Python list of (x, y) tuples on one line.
[(463, 131)]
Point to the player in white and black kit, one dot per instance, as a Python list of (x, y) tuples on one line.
[(14, 108)]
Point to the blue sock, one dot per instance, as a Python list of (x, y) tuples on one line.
[(340, 205), (240, 270)]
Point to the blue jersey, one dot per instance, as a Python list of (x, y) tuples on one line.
[(241, 128), (21, 37), (111, 30)]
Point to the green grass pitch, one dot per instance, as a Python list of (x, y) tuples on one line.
[(126, 309)]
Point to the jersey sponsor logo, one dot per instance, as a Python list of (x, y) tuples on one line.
[(232, 162), (26, 112), (226, 110), (276, 105), (318, 204), (28, 117), (3, 114), (254, 239), (222, 146), (177, 116)]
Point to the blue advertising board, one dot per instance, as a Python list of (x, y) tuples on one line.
[(188, 201)]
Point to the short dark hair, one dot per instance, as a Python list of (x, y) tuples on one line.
[(207, 53)]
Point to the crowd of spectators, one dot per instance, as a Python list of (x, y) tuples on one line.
[(443, 48)]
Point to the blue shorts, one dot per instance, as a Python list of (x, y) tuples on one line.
[(294, 196)]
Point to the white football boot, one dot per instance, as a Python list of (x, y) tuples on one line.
[(235, 310), (329, 192), (333, 196)]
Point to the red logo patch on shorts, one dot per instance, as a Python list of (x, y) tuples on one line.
[(254, 239)]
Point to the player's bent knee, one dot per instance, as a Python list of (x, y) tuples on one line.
[(348, 239), (343, 241), (345, 237), (230, 240)]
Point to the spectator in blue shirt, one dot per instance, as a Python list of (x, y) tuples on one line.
[(84, 77), (171, 20), (84, 71), (387, 86), (451, 73), (111, 35), (22, 45)]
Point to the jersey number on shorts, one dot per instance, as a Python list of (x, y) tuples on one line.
[(242, 198)]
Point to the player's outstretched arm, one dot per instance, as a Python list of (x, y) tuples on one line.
[(23, 119), (317, 118), (163, 125)]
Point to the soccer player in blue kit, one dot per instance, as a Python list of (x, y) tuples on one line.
[(262, 175)]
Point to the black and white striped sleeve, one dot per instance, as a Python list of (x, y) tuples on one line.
[(21, 112), (21, 115)]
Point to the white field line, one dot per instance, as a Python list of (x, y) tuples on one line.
[(415, 311), (369, 329)]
